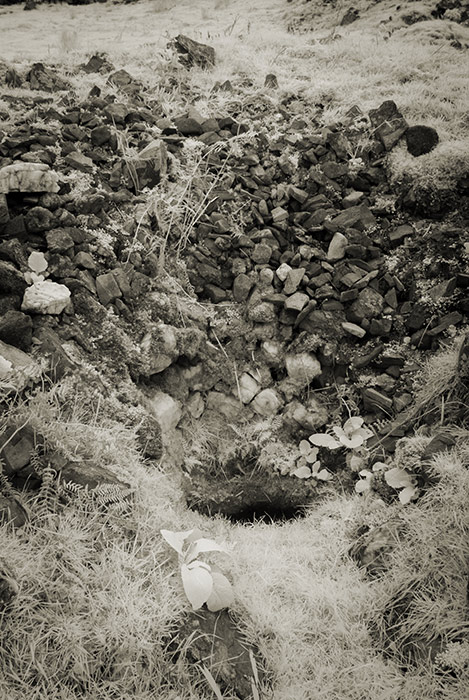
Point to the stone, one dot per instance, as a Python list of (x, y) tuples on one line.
[(421, 139), (337, 246), (242, 286), (159, 349), (293, 280), (78, 161), (195, 406), (368, 305), (42, 78), (350, 217), (13, 78), (4, 213), (373, 550), (282, 271), (11, 280), (46, 297), (263, 312), (279, 214), (266, 403), (9, 588), (28, 177), (353, 329), (59, 241), (219, 645), (350, 16), (188, 126), (247, 388), (296, 302), (193, 53), (225, 405), (100, 135), (85, 260), (302, 368), (334, 170), (116, 112), (16, 329), (86, 473), (399, 234), (107, 288), (261, 253), (97, 63), (310, 416), (388, 123), (374, 400), (13, 514), (17, 445), (38, 220), (166, 410), (272, 352), (271, 81)]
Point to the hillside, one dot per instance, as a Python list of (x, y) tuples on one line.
[(234, 324)]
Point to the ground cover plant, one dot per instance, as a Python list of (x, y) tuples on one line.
[(234, 360)]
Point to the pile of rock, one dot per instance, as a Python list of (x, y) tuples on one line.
[(322, 280)]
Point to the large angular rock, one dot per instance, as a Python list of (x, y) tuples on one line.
[(166, 410), (388, 123), (11, 279), (17, 445), (16, 329), (46, 297), (159, 349), (193, 53), (28, 177), (247, 388), (42, 78)]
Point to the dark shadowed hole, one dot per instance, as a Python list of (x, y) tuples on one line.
[(268, 514)]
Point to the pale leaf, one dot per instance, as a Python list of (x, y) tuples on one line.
[(365, 433), (222, 595), (197, 582), (353, 424), (379, 466), (324, 440), (362, 486), (352, 442), (323, 475), (302, 473), (312, 457), (398, 478), (407, 494), (175, 539), (356, 461), (37, 262), (304, 447), (203, 545)]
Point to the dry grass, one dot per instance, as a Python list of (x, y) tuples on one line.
[(100, 596)]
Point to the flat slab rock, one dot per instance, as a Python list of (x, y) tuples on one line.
[(28, 177)]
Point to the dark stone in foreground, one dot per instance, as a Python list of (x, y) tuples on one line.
[(217, 644)]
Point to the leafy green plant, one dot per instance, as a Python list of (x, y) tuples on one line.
[(351, 435), (308, 465), (399, 478), (202, 583)]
